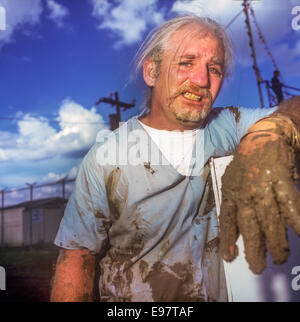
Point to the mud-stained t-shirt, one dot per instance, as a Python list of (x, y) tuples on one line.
[(155, 230)]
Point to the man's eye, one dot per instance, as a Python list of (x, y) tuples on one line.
[(215, 71), (185, 63)]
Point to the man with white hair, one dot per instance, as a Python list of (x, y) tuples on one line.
[(151, 219)]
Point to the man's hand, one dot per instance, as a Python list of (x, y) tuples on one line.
[(259, 198)]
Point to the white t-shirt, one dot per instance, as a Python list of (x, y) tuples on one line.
[(176, 146)]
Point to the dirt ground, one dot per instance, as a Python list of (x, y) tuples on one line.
[(28, 273)]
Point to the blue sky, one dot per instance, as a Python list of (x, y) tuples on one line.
[(57, 57)]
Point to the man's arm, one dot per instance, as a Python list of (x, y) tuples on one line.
[(74, 276), (259, 196)]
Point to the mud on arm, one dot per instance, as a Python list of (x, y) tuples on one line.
[(74, 276), (259, 197)]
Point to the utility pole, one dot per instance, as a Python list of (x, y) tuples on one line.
[(115, 119), (251, 44)]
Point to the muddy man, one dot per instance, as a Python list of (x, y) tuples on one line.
[(142, 207)]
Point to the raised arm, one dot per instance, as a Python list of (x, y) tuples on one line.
[(74, 276), (259, 196)]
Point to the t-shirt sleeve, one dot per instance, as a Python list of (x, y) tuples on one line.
[(86, 219), (227, 126), (248, 116)]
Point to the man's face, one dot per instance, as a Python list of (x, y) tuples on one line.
[(190, 78)]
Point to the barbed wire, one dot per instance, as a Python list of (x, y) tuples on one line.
[(46, 184), (21, 198)]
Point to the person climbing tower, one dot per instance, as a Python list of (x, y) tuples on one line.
[(277, 86)]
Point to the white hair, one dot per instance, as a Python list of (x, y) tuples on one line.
[(155, 43)]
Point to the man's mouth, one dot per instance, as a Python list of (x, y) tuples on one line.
[(193, 97)]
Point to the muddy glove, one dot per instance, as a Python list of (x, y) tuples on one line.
[(259, 197)]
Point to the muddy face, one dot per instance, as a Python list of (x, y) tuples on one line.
[(191, 75), (194, 113)]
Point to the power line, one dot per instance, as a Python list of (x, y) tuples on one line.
[(233, 20), (3, 118)]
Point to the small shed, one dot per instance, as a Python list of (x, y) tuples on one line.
[(31, 222)]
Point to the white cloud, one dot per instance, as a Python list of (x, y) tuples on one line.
[(20, 15), (34, 131), (57, 12), (100, 7), (23, 15), (7, 139), (129, 19), (216, 9), (37, 139), (52, 177)]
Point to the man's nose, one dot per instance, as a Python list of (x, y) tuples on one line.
[(199, 76)]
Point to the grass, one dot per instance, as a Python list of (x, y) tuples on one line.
[(28, 273)]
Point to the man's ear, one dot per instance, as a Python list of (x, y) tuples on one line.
[(149, 69)]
